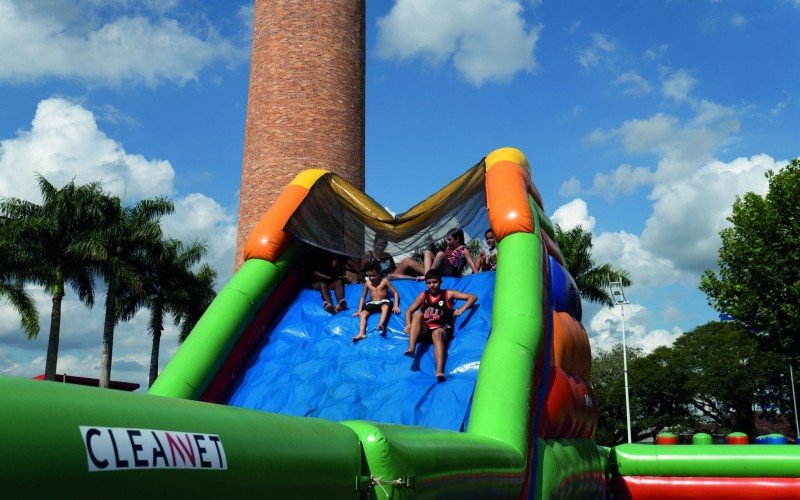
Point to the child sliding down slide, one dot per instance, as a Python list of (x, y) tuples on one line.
[(437, 316), (378, 287)]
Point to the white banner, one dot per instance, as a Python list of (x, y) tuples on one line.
[(119, 448)]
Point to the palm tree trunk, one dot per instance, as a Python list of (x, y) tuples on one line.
[(108, 335), (55, 334), (158, 326)]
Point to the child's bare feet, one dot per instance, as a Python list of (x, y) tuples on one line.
[(420, 278), (409, 353), (329, 307), (341, 306), (358, 337), (381, 328), (440, 377)]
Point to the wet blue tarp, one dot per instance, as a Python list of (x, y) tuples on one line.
[(308, 365)]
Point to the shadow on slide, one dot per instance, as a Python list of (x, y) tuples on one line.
[(307, 364)]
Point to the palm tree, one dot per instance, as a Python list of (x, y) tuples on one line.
[(592, 280), (195, 303), (117, 247), (13, 262), (50, 237), (167, 271)]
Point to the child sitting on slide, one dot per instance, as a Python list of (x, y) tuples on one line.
[(451, 261), (435, 322), (326, 274), (487, 261), (378, 253), (378, 287)]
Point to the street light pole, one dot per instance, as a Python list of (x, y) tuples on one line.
[(618, 296), (794, 401)]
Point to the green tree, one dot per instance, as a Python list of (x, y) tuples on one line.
[(591, 278), (727, 374), (13, 263), (117, 248), (658, 398), (50, 237), (166, 270), (758, 281), (194, 301), (608, 384)]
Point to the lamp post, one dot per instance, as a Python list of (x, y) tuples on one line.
[(794, 401), (618, 297)]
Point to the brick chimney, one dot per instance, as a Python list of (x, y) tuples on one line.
[(305, 105)]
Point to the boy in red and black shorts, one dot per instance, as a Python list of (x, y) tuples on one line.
[(435, 321)]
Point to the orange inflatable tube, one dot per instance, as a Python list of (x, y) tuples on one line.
[(507, 199), (571, 349)]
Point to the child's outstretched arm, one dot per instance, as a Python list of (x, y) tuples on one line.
[(396, 308), (361, 301), (468, 297), (413, 307)]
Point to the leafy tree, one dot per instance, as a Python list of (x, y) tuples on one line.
[(714, 374), (660, 400), (50, 237), (117, 249), (194, 301), (591, 279), (609, 388), (13, 262), (759, 263), (727, 373), (657, 399), (166, 270)]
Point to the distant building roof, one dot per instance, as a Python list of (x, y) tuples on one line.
[(91, 382)]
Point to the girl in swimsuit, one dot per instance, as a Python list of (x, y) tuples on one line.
[(379, 254), (450, 262), (453, 260)]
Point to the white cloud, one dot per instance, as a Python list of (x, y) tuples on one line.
[(782, 105), (198, 217), (625, 250), (655, 133), (688, 213), (678, 85), (738, 20), (570, 187), (592, 56), (605, 329), (574, 113), (633, 83), (682, 146), (657, 53), (573, 214), (65, 143), (39, 42), (596, 136), (457, 29), (692, 192), (625, 179)]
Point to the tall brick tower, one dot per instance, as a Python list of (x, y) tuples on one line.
[(305, 106)]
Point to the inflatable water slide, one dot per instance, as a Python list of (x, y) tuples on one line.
[(269, 396)]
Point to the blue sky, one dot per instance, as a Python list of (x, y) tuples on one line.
[(642, 121)]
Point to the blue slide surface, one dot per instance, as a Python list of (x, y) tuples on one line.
[(308, 365)]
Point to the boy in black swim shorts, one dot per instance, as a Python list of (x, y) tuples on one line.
[(434, 323), (378, 287)]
